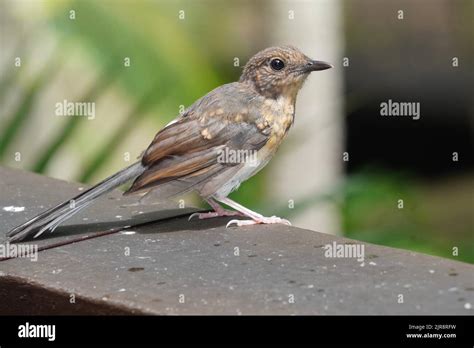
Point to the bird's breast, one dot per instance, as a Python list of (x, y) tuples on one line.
[(278, 115), (275, 119)]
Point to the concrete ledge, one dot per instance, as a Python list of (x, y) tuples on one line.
[(172, 266)]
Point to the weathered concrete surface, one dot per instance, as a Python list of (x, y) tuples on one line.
[(30, 194), (178, 267)]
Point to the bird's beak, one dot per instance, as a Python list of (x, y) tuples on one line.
[(317, 65)]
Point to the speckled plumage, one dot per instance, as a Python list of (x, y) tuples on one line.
[(253, 114)]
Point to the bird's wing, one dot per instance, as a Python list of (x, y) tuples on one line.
[(187, 150)]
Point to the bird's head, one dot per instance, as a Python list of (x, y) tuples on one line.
[(280, 71)]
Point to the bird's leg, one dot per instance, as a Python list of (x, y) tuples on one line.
[(256, 217), (218, 211)]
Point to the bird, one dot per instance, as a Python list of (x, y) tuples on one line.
[(218, 142)]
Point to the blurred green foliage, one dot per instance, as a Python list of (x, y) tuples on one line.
[(400, 211), (371, 212), (157, 70)]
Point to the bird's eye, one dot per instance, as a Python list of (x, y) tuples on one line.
[(277, 64)]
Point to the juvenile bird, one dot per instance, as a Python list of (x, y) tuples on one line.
[(220, 141)]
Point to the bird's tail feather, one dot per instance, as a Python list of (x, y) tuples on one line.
[(53, 217)]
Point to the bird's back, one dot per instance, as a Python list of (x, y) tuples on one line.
[(188, 154)]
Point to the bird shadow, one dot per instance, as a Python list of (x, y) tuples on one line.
[(146, 223)]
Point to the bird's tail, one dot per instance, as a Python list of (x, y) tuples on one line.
[(53, 217)]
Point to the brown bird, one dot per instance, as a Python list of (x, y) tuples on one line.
[(220, 141)]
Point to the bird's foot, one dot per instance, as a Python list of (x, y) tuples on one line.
[(213, 214), (259, 220)]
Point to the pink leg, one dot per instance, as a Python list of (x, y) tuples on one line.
[(218, 211), (256, 217)]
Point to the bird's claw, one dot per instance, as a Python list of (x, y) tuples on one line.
[(262, 220), (193, 215), (213, 214)]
